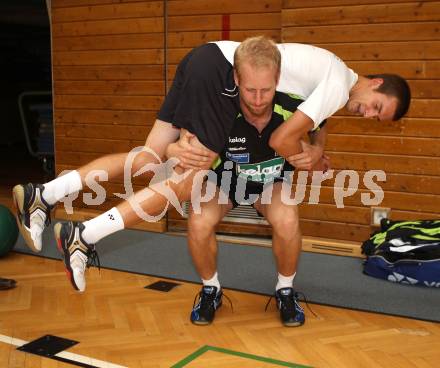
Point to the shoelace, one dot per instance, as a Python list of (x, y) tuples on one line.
[(230, 302), (290, 300), (48, 218), (268, 302), (93, 258), (206, 300), (92, 254), (209, 300), (307, 304)]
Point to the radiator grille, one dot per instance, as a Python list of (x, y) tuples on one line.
[(239, 214)]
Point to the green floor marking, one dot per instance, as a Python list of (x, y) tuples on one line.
[(206, 348), (191, 357)]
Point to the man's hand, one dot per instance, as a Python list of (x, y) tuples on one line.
[(308, 158), (189, 156), (323, 164)]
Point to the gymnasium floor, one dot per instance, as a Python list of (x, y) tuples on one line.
[(119, 323)]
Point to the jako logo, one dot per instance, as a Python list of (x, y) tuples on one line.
[(237, 140)]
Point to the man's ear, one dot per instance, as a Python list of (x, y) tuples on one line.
[(236, 78), (278, 77), (376, 82)]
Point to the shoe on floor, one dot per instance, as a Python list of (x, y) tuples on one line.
[(209, 300), (291, 313), (6, 284)]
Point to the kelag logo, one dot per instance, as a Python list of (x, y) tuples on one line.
[(262, 172)]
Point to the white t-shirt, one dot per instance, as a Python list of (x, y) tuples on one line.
[(317, 75)]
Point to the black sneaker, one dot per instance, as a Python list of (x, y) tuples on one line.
[(210, 300), (77, 254), (32, 213), (291, 313), (6, 284)]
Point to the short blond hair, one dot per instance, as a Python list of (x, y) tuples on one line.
[(259, 51)]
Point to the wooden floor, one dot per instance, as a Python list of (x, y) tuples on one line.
[(116, 320)]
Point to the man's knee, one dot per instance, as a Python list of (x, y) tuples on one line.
[(198, 225), (142, 159), (181, 185), (286, 225)]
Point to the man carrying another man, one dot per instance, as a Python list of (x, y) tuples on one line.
[(255, 167)]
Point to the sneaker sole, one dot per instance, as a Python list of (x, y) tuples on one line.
[(63, 250), (293, 324), (197, 323), (18, 199)]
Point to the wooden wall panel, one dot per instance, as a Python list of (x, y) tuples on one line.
[(108, 11), (203, 7), (406, 127), (144, 88), (361, 14), (362, 33), (193, 22), (359, 51), (374, 36), (108, 102), (106, 57), (72, 3), (111, 71), (108, 79), (114, 117), (108, 72), (294, 4), (115, 42)]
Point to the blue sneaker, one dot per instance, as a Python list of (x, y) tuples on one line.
[(291, 313), (210, 300)]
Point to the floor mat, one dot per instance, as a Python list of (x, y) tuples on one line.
[(324, 279)]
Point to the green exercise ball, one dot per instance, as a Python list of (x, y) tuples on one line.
[(8, 230)]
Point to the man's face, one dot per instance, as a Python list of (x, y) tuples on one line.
[(257, 88), (369, 103)]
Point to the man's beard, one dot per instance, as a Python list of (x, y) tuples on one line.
[(258, 112)]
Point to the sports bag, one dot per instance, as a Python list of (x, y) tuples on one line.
[(406, 252)]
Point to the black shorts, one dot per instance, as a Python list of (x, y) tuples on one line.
[(203, 97), (240, 189)]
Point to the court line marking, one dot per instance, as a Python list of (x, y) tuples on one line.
[(65, 354), (207, 348)]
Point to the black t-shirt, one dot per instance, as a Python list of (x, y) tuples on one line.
[(249, 150)]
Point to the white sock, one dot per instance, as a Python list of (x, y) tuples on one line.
[(105, 224), (62, 186), (284, 281), (213, 281)]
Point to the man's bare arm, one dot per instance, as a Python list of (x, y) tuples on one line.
[(286, 139), (312, 152), (190, 155), (318, 137)]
